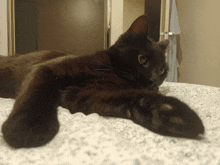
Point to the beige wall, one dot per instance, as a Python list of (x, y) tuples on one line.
[(76, 25), (132, 10), (117, 9), (3, 28), (123, 13), (199, 43)]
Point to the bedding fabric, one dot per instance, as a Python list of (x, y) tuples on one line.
[(99, 140)]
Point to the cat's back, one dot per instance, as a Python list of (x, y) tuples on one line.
[(13, 69), (30, 58)]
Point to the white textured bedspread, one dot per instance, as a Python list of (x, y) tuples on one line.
[(95, 140)]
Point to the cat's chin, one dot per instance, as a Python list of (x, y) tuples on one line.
[(153, 89)]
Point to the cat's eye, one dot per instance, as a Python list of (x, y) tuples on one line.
[(141, 59), (161, 72)]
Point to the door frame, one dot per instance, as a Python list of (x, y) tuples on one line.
[(11, 27), (117, 8), (164, 19), (7, 30)]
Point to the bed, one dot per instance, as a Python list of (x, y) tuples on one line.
[(92, 139)]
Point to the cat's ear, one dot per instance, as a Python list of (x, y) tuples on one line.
[(163, 44), (139, 26)]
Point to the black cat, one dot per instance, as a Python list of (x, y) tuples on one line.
[(119, 82)]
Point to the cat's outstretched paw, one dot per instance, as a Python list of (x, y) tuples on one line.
[(168, 116), (23, 131)]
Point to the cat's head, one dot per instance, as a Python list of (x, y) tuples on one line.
[(140, 60)]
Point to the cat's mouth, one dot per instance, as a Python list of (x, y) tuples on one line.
[(149, 86), (154, 88)]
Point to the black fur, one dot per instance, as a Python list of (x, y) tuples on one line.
[(119, 82)]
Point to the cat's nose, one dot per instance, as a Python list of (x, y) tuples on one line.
[(153, 77)]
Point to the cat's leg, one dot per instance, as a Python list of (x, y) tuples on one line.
[(160, 114), (8, 79), (33, 120), (169, 116), (13, 69)]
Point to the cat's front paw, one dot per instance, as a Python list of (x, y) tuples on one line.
[(25, 131), (168, 116)]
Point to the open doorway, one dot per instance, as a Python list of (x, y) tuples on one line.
[(76, 26), (153, 10)]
